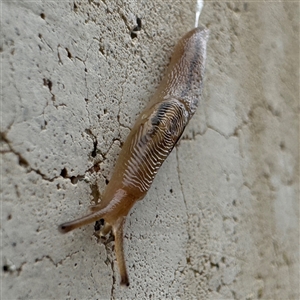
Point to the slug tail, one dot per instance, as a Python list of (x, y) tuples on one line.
[(90, 218), (119, 249)]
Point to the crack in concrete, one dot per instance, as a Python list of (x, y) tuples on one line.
[(186, 210), (114, 281), (121, 99), (113, 141), (109, 261), (11, 268), (95, 142), (14, 83), (44, 42), (124, 126), (74, 179), (189, 264), (236, 129), (24, 163), (83, 60), (60, 262), (180, 182)]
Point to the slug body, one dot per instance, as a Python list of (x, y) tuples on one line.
[(151, 140)]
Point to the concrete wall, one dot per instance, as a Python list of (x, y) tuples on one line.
[(221, 220)]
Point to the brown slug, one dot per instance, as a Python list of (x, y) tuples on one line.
[(151, 140)]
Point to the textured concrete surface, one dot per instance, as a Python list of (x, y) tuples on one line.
[(221, 220)]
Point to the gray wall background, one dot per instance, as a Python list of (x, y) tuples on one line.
[(221, 220)]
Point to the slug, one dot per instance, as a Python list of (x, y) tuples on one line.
[(151, 140)]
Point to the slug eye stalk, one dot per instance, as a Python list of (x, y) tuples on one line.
[(69, 226), (151, 140)]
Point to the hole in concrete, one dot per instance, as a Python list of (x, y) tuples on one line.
[(139, 23), (96, 168), (74, 179), (98, 224), (23, 162), (212, 265), (48, 83), (64, 173), (101, 49), (95, 192), (94, 152), (69, 53), (133, 33), (75, 7), (5, 268)]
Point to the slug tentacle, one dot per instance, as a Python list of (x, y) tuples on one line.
[(90, 218), (151, 140), (118, 229)]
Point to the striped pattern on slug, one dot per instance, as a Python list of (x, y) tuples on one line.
[(150, 141), (153, 142)]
